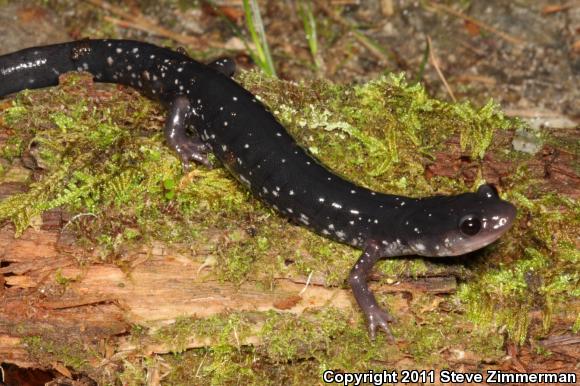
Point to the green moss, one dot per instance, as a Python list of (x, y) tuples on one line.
[(109, 168), (226, 362), (133, 374), (441, 328), (294, 349), (61, 279), (576, 326), (70, 352), (382, 132)]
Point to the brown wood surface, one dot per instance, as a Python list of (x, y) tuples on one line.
[(47, 289)]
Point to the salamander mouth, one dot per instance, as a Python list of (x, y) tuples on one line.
[(456, 242), (492, 229)]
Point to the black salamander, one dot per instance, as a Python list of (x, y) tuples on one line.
[(209, 112)]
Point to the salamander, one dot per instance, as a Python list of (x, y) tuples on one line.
[(208, 112)]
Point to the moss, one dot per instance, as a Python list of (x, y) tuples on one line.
[(72, 353), (438, 327), (109, 166), (61, 279), (133, 374), (294, 349), (226, 360)]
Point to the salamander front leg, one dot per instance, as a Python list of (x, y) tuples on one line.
[(375, 315), (188, 148)]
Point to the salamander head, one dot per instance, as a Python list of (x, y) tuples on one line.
[(455, 225)]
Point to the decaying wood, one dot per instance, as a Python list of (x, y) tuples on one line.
[(49, 290)]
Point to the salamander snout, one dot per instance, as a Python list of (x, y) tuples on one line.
[(455, 225)]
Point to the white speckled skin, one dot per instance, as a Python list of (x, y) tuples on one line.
[(224, 118)]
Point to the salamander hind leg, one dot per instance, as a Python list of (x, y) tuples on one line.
[(187, 147), (226, 66), (376, 317)]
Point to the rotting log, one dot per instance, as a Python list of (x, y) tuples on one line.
[(47, 290)]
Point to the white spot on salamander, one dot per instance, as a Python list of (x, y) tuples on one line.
[(245, 181)]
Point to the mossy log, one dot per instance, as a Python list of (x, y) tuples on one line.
[(47, 291), (64, 303)]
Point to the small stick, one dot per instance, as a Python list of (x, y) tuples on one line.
[(550, 9), (373, 48), (142, 23), (480, 24), (307, 283), (433, 61)]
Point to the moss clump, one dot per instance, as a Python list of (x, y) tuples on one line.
[(294, 349), (381, 133), (107, 165), (74, 354), (538, 271)]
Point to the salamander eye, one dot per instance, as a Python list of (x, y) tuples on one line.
[(470, 225)]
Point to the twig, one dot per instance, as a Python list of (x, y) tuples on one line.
[(531, 113), (74, 218), (142, 23), (551, 9), (307, 283), (433, 60), (373, 47), (480, 24)]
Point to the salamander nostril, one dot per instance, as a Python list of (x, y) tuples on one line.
[(488, 191)]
